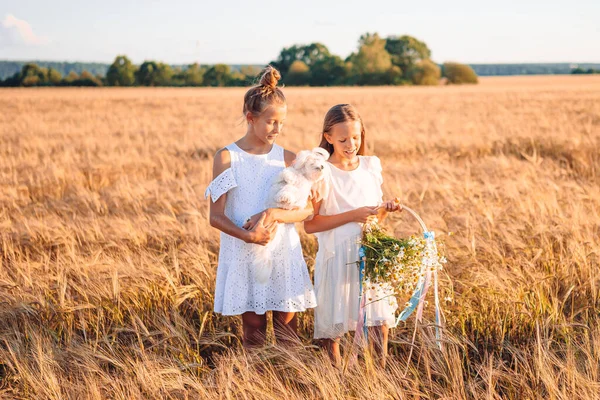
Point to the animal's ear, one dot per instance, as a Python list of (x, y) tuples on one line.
[(320, 188), (300, 159), (322, 152)]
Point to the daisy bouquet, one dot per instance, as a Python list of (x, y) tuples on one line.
[(401, 266)]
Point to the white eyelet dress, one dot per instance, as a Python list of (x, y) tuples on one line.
[(237, 291), (336, 270)]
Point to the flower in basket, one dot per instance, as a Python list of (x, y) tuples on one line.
[(396, 263)]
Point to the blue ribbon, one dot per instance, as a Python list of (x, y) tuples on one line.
[(417, 297), (362, 254)]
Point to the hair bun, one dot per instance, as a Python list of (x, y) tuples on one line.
[(270, 77)]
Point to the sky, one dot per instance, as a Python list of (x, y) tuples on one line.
[(254, 32)]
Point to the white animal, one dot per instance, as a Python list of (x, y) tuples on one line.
[(291, 190)]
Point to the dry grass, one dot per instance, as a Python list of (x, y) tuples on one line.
[(108, 262)]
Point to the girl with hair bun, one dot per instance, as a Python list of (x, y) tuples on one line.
[(243, 172)]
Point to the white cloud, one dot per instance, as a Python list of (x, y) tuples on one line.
[(19, 31)]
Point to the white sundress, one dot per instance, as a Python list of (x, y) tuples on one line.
[(336, 270), (237, 291)]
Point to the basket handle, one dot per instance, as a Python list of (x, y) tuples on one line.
[(414, 214)]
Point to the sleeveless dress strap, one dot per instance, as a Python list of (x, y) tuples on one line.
[(280, 153)]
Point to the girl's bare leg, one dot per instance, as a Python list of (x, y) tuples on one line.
[(333, 349), (285, 327), (378, 338), (255, 329)]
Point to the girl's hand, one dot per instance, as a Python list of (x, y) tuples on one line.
[(253, 220), (262, 233), (362, 214), (391, 205)]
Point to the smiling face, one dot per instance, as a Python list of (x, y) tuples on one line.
[(269, 123), (345, 138)]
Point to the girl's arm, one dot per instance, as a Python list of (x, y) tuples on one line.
[(289, 216), (262, 232), (279, 215), (320, 223)]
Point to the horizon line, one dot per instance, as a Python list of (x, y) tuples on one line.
[(264, 64)]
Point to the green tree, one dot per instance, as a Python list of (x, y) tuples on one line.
[(54, 77), (425, 72), (308, 54), (457, 73), (298, 74), (33, 75), (328, 71), (217, 75), (152, 73), (86, 79), (406, 51), (72, 77), (393, 76), (237, 79), (121, 72), (579, 71), (32, 80), (194, 75), (371, 62)]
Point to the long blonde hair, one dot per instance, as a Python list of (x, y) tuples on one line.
[(338, 114)]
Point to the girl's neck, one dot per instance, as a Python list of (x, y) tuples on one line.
[(251, 144), (344, 163)]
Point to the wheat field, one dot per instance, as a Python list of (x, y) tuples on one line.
[(108, 261)]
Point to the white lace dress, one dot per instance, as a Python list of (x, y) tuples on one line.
[(336, 270), (288, 288)]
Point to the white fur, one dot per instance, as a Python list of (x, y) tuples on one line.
[(291, 190), (294, 184)]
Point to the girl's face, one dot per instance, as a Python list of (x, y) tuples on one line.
[(269, 124), (345, 138)]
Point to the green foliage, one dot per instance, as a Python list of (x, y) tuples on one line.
[(54, 77), (85, 79), (329, 71), (298, 74), (308, 54), (372, 58), (152, 73), (9, 68), (393, 76), (457, 73), (121, 72), (218, 75), (192, 75), (406, 51), (425, 72), (393, 261), (371, 63), (377, 61), (72, 77), (579, 71), (33, 75)]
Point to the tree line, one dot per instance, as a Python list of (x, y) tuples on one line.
[(580, 71), (394, 60)]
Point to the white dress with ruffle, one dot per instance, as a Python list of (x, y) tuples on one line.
[(237, 291), (336, 268)]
